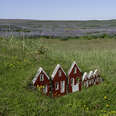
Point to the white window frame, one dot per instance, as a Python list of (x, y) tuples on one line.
[(56, 85), (87, 83), (77, 80), (45, 89), (72, 81), (75, 70), (62, 86), (59, 73), (41, 77)]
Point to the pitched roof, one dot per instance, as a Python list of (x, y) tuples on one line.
[(37, 74), (85, 75), (96, 72), (73, 64), (56, 69), (90, 74)]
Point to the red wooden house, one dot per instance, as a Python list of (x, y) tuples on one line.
[(85, 80), (97, 78), (90, 78), (42, 81), (74, 78), (59, 81)]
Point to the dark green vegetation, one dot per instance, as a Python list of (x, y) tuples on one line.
[(20, 59), (50, 29)]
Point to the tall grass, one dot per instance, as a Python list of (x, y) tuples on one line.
[(20, 59)]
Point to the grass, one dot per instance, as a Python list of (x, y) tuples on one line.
[(20, 59)]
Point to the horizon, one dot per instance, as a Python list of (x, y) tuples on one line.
[(58, 10), (58, 20)]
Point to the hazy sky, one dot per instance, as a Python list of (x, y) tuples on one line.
[(58, 9)]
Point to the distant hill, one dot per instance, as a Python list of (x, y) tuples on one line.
[(35, 28)]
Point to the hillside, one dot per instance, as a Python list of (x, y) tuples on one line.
[(20, 59), (36, 28)]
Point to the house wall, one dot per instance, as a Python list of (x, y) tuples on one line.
[(59, 79), (75, 76), (46, 81)]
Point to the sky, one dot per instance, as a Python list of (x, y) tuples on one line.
[(58, 9)]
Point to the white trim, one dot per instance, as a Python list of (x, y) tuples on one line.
[(41, 77), (62, 85), (85, 76), (57, 86), (59, 73), (38, 73), (72, 81), (55, 71), (90, 75), (96, 72), (72, 67), (75, 88)]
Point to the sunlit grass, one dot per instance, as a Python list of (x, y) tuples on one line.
[(20, 59)]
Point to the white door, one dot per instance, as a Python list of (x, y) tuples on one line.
[(87, 85), (75, 87), (62, 86)]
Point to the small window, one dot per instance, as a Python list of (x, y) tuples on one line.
[(77, 80), (41, 77), (56, 86), (75, 70), (60, 73), (72, 81)]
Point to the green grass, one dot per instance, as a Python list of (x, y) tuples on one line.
[(20, 59)]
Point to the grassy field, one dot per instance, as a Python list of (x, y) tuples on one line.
[(20, 59)]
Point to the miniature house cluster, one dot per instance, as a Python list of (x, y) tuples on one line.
[(93, 78), (60, 84)]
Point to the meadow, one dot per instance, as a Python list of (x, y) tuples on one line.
[(20, 59)]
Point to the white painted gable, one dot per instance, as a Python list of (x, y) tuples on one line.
[(38, 73), (56, 70), (73, 64), (90, 74), (85, 76), (96, 73)]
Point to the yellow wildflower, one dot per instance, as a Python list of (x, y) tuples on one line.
[(107, 105), (104, 111), (113, 112), (43, 87), (87, 108), (84, 106), (37, 86), (105, 97)]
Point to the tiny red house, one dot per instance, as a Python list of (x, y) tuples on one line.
[(85, 80), (59, 81), (90, 78), (97, 78), (42, 80), (74, 78)]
